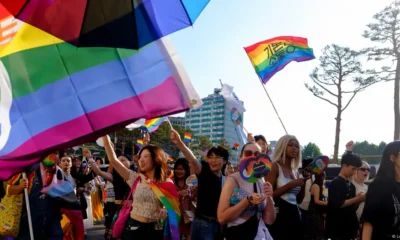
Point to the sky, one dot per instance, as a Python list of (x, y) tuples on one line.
[(213, 49)]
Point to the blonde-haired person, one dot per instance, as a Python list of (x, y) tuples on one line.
[(288, 189), (359, 179)]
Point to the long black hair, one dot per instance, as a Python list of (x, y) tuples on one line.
[(185, 165), (319, 180), (387, 166)]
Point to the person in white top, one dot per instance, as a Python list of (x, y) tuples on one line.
[(359, 179)]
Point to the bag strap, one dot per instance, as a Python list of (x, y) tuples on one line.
[(133, 188)]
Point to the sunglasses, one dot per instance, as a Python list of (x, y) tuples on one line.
[(364, 169), (249, 153)]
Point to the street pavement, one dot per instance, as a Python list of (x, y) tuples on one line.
[(96, 232)]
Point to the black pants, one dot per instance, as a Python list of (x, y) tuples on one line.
[(288, 224), (137, 230)]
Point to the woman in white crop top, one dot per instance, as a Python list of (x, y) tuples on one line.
[(239, 212), (147, 208), (288, 189)]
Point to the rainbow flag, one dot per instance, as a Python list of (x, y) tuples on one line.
[(49, 87), (187, 138), (169, 197), (169, 158), (270, 56), (139, 143), (152, 124)]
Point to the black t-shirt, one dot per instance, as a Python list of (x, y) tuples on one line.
[(208, 193), (382, 209), (341, 222), (121, 189)]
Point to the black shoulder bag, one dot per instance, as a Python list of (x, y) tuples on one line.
[(247, 230)]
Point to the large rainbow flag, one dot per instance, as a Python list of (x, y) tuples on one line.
[(270, 56), (54, 95)]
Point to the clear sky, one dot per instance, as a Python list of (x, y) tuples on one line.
[(213, 49)]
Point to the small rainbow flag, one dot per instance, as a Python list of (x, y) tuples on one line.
[(139, 143), (270, 56), (171, 159), (153, 124), (235, 146), (187, 138)]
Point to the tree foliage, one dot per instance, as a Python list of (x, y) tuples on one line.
[(224, 143), (385, 31), (310, 150), (366, 148), (337, 80)]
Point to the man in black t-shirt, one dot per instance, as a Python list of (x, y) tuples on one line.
[(205, 225), (341, 218)]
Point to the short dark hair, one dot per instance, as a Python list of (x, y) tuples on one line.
[(351, 160), (259, 137), (219, 151)]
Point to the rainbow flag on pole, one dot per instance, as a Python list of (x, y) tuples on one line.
[(140, 143), (152, 124), (187, 138), (270, 56), (54, 95)]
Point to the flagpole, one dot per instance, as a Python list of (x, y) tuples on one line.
[(28, 209), (272, 103)]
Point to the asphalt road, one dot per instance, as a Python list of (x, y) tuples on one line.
[(96, 233)]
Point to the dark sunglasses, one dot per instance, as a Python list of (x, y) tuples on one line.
[(364, 169), (249, 153)]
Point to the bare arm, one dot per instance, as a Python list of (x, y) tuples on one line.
[(15, 189), (119, 167), (367, 231), (106, 175), (315, 191), (225, 212), (269, 215), (355, 200), (194, 163)]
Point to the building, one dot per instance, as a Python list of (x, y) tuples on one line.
[(213, 120), (180, 121)]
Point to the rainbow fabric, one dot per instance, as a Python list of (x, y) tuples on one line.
[(139, 143), (153, 124), (49, 87), (168, 196), (187, 138), (270, 56)]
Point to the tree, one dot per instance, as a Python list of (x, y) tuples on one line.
[(201, 143), (381, 147), (224, 143), (365, 148), (340, 77), (311, 150), (386, 31)]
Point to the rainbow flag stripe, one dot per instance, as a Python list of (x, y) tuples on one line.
[(49, 87), (187, 137), (168, 196), (153, 124), (139, 143), (270, 56)]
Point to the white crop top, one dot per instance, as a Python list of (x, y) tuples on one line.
[(291, 195)]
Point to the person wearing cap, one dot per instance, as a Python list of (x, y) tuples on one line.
[(341, 218)]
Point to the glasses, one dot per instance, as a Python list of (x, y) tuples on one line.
[(364, 169), (249, 153)]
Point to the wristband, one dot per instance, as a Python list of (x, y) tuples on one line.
[(249, 198)]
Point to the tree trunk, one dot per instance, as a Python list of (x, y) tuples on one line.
[(397, 103), (337, 136)]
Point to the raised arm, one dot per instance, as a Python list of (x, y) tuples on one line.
[(117, 165), (195, 164)]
